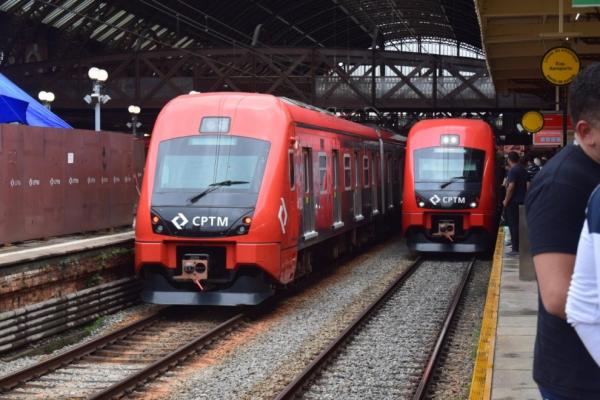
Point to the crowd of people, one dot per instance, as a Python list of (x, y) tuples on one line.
[(562, 202)]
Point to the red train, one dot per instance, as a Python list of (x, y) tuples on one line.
[(243, 191), (449, 201)]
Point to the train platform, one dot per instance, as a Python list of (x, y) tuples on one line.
[(503, 369), (36, 250)]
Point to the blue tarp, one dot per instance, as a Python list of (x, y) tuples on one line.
[(12, 110), (36, 114)]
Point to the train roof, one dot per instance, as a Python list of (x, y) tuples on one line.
[(300, 113), (447, 122)]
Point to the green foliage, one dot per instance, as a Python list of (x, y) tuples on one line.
[(92, 326)]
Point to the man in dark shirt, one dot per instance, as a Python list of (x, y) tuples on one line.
[(555, 208), (515, 195)]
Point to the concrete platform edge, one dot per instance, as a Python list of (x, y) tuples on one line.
[(481, 381)]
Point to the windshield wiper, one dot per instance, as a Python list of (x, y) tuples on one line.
[(452, 180), (214, 186)]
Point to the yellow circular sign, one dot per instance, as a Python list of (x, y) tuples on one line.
[(560, 65), (532, 121)]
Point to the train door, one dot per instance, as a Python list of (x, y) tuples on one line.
[(308, 210), (337, 196), (390, 183), (374, 185), (357, 189)]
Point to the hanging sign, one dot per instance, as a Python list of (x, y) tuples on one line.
[(585, 3), (532, 121), (560, 66)]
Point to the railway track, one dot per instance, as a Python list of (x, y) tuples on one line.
[(327, 370), (116, 363), (119, 364)]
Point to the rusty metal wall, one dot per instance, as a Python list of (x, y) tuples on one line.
[(61, 181)]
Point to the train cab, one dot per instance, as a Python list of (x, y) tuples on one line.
[(449, 202)]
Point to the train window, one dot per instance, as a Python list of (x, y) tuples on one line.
[(448, 164), (347, 172), (189, 165), (366, 171), (323, 172), (292, 170)]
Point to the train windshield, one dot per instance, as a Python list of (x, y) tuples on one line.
[(210, 170), (448, 164)]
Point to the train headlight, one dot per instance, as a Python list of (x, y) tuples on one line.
[(473, 204), (157, 223), (449, 140), (421, 204)]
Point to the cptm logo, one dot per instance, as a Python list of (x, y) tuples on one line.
[(435, 200), (180, 221)]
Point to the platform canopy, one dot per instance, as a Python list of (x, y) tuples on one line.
[(517, 33), (17, 106)]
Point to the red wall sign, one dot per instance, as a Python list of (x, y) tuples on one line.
[(554, 121), (548, 137)]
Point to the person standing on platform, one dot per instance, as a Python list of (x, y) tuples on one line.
[(555, 207), (532, 170), (583, 299), (515, 195)]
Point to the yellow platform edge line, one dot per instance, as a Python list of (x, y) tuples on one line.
[(481, 381)]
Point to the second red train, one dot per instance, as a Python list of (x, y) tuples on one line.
[(449, 201)]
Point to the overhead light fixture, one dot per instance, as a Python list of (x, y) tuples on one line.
[(105, 98), (577, 16), (134, 109), (93, 73), (98, 77), (46, 98), (98, 74)]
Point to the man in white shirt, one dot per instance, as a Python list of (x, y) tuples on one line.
[(583, 300)]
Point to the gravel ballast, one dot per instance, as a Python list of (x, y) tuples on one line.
[(453, 373), (106, 324), (259, 363), (386, 358)]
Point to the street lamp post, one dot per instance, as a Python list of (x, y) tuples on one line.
[(98, 77), (134, 111), (46, 98)]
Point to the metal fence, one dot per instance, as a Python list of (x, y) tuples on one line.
[(61, 181)]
